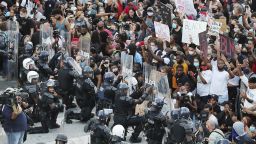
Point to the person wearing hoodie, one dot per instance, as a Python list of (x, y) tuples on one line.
[(242, 137)]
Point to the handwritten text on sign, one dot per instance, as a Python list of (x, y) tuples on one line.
[(191, 29), (162, 31)]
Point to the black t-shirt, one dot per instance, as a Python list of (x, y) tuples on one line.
[(25, 25), (35, 38), (178, 35), (95, 79)]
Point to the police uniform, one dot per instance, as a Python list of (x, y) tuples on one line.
[(155, 126), (66, 78), (123, 114)]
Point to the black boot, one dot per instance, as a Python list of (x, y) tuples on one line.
[(54, 126), (37, 130), (68, 117)]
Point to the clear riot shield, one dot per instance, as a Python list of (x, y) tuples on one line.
[(161, 89), (66, 36), (12, 25), (84, 49), (127, 67), (74, 65), (127, 64), (9, 59), (164, 92), (46, 38), (147, 68)]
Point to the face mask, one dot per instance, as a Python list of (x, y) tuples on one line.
[(191, 52), (252, 129), (114, 69), (153, 48), (22, 15), (236, 30), (196, 64), (174, 26), (150, 13)]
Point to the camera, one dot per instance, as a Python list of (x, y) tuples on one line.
[(8, 97)]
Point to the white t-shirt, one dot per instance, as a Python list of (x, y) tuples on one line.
[(204, 89), (219, 83), (234, 81), (251, 93)]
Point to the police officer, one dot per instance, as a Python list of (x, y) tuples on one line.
[(33, 90), (107, 92), (28, 65), (61, 139), (118, 134), (85, 97), (123, 111), (101, 134), (27, 51), (66, 76), (156, 123), (44, 70)]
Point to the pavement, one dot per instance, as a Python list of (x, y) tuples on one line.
[(75, 131)]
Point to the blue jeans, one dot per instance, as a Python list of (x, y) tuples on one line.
[(15, 137)]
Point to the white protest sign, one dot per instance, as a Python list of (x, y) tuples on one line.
[(186, 6), (162, 31), (191, 29), (214, 28)]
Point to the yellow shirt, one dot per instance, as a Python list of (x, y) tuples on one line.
[(174, 68)]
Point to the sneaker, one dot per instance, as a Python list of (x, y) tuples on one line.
[(135, 140)]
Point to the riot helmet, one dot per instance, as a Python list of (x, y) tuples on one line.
[(184, 112), (27, 63), (123, 88), (44, 56), (32, 75), (158, 103), (28, 48), (88, 71), (102, 116), (175, 114), (118, 130), (109, 77), (61, 139), (50, 85)]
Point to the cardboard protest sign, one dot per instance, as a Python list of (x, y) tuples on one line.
[(191, 29), (223, 24), (214, 28), (166, 13), (227, 46), (203, 43), (162, 31), (186, 6)]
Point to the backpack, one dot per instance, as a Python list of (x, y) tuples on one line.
[(3, 41)]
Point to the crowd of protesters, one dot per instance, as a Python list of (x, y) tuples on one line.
[(218, 90)]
